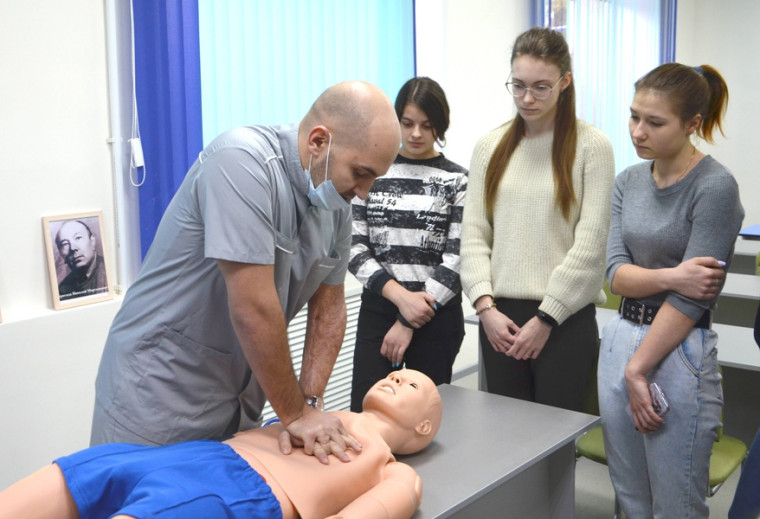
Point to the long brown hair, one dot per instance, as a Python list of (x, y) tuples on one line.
[(551, 47), (691, 91)]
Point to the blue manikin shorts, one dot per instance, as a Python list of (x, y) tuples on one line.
[(196, 479)]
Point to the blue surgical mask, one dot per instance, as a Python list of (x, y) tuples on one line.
[(325, 196)]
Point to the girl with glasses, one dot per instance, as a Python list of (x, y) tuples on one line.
[(534, 233), (675, 217)]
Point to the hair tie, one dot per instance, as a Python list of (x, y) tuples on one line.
[(700, 71)]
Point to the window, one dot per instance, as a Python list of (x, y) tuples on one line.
[(265, 62), (612, 43), (204, 66)]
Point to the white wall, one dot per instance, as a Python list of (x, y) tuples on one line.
[(466, 46), (55, 160), (724, 35), (54, 123)]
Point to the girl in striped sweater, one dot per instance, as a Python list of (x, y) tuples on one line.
[(405, 251)]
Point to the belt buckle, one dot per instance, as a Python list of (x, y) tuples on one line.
[(631, 308), (641, 308)]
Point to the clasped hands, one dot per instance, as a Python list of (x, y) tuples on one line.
[(319, 434), (521, 343), (418, 309)]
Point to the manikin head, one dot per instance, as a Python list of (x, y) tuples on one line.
[(408, 407), (354, 124)]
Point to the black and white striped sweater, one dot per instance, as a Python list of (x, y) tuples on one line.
[(409, 226)]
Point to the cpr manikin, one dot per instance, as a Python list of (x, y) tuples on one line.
[(401, 415)]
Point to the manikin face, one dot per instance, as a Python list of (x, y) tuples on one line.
[(530, 72), (353, 169), (417, 134), (76, 245), (657, 132), (405, 396)]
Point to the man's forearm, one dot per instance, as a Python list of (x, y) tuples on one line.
[(261, 329), (325, 331)]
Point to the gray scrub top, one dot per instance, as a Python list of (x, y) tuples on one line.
[(172, 368)]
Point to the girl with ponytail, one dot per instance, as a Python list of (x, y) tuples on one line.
[(674, 222)]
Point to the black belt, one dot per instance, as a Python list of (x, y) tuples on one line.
[(639, 313)]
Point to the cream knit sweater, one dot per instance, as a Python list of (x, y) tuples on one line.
[(530, 251)]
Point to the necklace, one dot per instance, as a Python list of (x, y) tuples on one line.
[(685, 169)]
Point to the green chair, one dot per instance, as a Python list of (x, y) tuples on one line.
[(613, 300)]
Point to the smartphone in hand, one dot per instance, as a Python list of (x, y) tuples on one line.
[(659, 402)]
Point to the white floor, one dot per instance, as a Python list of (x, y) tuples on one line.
[(594, 497)]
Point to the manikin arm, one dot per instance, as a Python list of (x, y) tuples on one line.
[(397, 496)]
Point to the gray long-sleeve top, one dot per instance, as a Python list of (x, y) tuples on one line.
[(660, 228)]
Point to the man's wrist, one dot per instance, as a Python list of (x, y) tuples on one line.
[(315, 402)]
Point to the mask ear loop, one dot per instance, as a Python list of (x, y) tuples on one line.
[(327, 162)]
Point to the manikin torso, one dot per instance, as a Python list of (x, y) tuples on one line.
[(305, 486)]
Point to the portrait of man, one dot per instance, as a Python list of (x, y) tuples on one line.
[(79, 265)]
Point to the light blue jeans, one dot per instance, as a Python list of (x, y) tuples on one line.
[(664, 474)]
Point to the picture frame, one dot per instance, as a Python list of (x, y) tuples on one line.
[(77, 262)]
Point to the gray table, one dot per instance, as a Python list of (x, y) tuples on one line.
[(498, 457)]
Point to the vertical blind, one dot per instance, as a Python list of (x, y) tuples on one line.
[(613, 43), (205, 66), (264, 62)]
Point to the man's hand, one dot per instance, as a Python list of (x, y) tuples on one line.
[(320, 434), (395, 343)]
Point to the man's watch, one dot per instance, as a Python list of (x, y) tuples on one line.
[(316, 402)]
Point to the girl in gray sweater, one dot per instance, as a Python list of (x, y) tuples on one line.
[(673, 225)]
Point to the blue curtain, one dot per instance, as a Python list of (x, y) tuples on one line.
[(668, 17), (168, 84)]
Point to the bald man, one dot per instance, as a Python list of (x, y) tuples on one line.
[(260, 226)]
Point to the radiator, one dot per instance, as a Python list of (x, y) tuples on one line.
[(338, 391)]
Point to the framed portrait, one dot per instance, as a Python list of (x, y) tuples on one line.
[(77, 260)]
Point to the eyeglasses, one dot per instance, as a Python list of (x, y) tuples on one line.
[(539, 92)]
